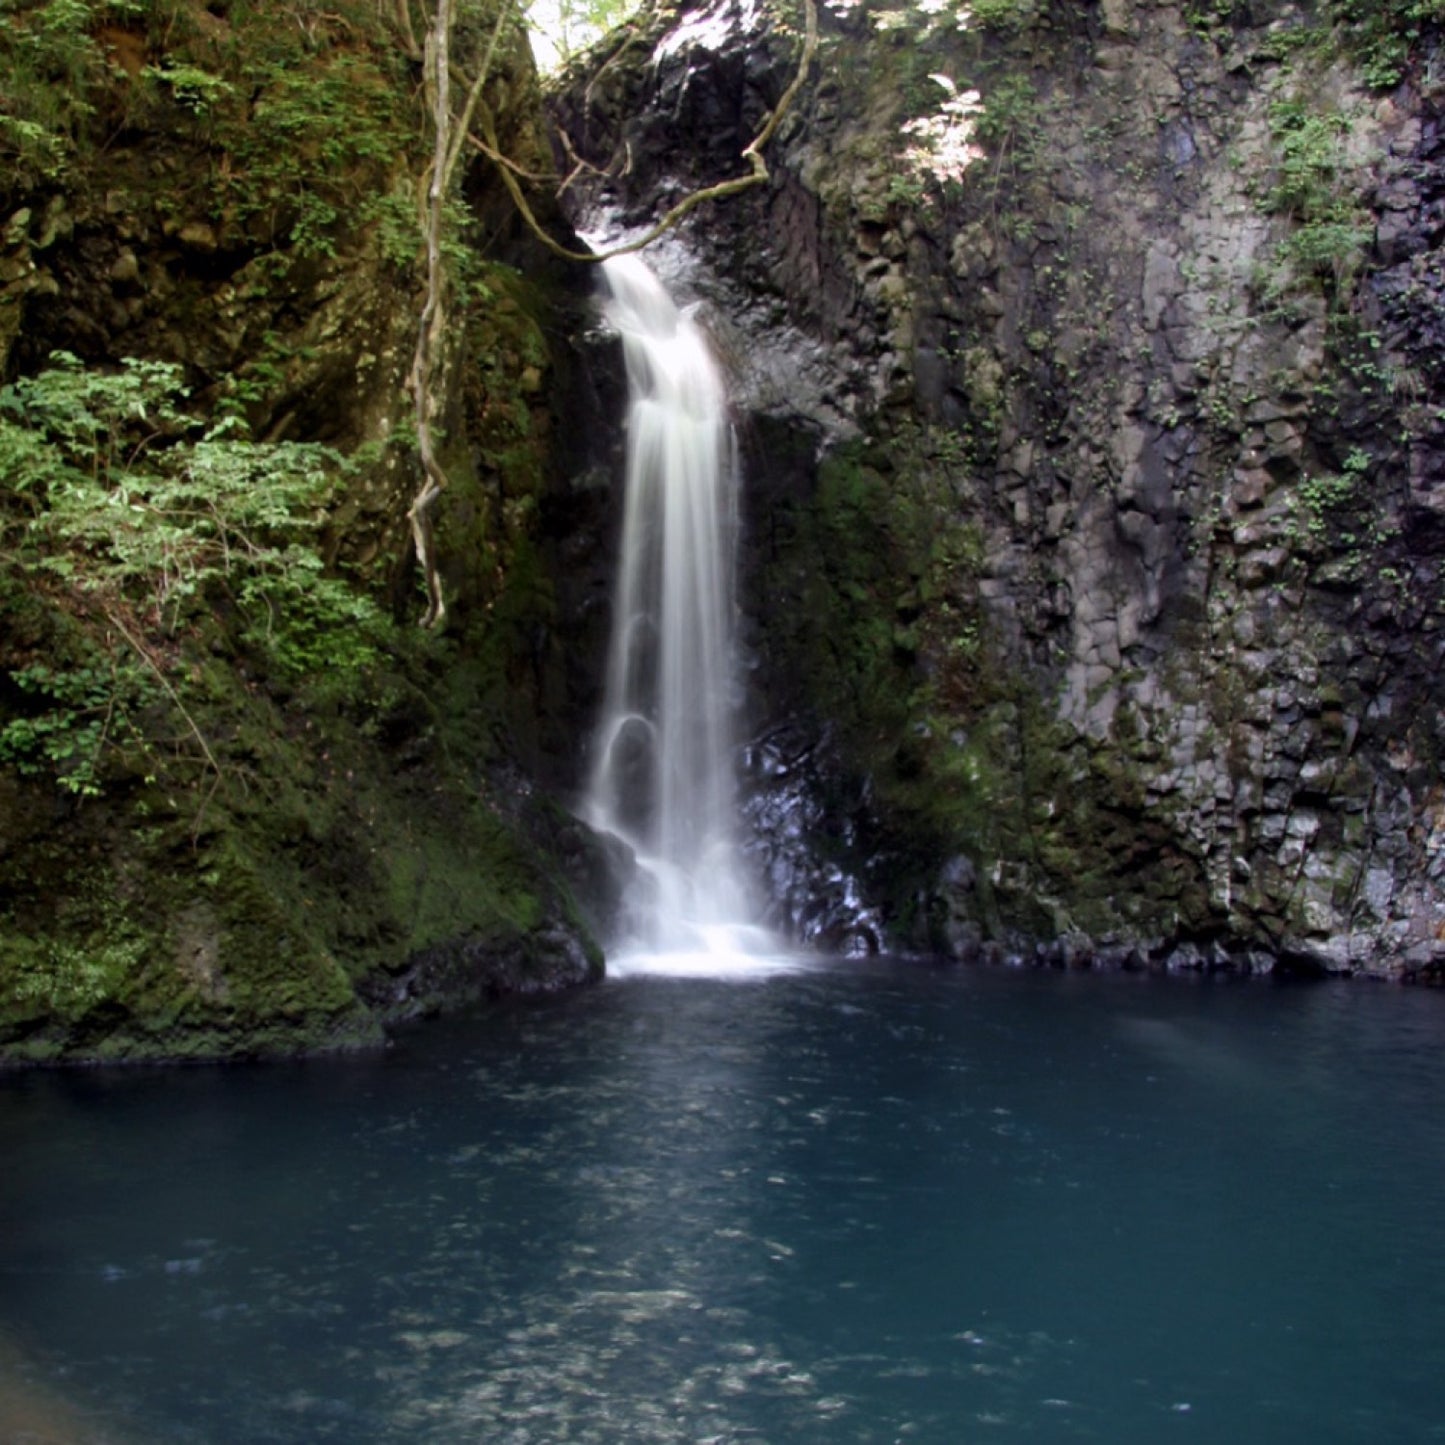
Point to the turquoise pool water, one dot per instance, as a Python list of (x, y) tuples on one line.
[(849, 1202)]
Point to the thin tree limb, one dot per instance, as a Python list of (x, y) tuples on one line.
[(143, 652), (752, 153), (423, 365), (458, 136), (578, 164), (408, 34), (508, 162), (448, 143)]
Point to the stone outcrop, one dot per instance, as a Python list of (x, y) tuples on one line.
[(1095, 487)]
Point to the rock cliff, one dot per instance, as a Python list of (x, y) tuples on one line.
[(1088, 358)]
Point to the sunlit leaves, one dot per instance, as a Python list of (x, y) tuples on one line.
[(562, 28), (943, 142), (126, 497)]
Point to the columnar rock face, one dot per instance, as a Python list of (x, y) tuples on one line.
[(1091, 365)]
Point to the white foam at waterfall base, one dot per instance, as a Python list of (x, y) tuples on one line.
[(662, 774), (732, 951)]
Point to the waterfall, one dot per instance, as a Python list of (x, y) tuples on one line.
[(662, 775)]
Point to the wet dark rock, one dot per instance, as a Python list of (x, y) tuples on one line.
[(793, 839), (471, 970)]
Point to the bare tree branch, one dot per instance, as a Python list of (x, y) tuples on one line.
[(451, 136), (449, 140), (421, 380), (402, 10), (752, 153)]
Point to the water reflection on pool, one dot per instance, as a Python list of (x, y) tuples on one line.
[(860, 1201)]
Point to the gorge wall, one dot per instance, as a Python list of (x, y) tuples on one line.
[(1088, 362), (246, 805)]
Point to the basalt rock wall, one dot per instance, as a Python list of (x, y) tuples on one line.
[(1088, 367)]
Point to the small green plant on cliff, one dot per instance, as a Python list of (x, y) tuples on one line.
[(195, 89), (1384, 35), (1334, 514), (1001, 15), (318, 142), (1208, 16), (73, 714), (92, 948), (1318, 497), (67, 979), (1010, 130), (1313, 187), (50, 60)]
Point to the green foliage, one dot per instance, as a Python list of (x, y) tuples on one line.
[(906, 190), (117, 498), (195, 89), (1309, 160), (1213, 17), (309, 624), (1312, 186), (397, 217), (1382, 37), (466, 270), (70, 423), (319, 140), (1383, 34), (1318, 497), (1336, 517), (71, 972), (50, 61), (73, 713), (306, 112), (1009, 126), (896, 596), (1003, 15)]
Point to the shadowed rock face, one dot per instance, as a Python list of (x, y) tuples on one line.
[(1095, 494)]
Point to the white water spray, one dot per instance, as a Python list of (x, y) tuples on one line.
[(662, 776)]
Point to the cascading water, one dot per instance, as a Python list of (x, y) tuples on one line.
[(662, 776)]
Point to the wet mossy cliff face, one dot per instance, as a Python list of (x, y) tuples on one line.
[(246, 805), (1090, 356)]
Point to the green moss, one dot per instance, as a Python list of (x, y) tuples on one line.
[(885, 635), (250, 912), (264, 838)]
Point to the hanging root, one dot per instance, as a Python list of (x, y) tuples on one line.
[(419, 514), (425, 378)]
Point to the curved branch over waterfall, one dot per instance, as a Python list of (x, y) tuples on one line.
[(452, 134), (752, 153)]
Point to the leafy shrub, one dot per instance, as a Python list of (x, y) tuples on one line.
[(1384, 33), (50, 60), (74, 713), (118, 498), (1005, 15), (1312, 186)]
